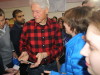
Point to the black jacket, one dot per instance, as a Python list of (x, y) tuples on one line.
[(15, 33), (2, 70)]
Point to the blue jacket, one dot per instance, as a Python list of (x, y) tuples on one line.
[(74, 61)]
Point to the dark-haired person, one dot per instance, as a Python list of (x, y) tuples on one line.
[(55, 18), (15, 34), (6, 47), (16, 30)]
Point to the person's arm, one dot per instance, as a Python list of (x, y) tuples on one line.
[(13, 51), (1, 66), (23, 45), (54, 73)]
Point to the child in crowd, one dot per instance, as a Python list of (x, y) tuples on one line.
[(75, 22)]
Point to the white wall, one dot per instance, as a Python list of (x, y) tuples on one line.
[(28, 14), (26, 10)]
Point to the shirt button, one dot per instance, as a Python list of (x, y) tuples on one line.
[(43, 37), (43, 45), (43, 30)]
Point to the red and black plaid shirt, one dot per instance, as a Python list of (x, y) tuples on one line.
[(37, 38)]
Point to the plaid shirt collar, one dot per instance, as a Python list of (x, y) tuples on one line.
[(47, 23)]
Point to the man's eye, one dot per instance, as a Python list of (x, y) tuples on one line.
[(37, 12)]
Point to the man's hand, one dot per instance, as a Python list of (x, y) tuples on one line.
[(40, 57), (24, 56), (48, 72)]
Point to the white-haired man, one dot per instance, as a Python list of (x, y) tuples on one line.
[(41, 39)]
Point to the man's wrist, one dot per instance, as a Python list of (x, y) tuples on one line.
[(45, 54)]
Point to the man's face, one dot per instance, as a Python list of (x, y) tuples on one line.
[(39, 13), (2, 21), (20, 18)]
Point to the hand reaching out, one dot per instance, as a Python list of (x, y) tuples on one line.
[(40, 57), (24, 56)]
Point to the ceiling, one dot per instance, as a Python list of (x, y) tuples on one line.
[(4, 0), (13, 3)]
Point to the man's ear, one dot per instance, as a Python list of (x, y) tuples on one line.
[(14, 19)]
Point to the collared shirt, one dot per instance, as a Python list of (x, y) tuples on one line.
[(37, 38), (2, 31)]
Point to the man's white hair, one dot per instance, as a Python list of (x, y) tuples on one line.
[(42, 3)]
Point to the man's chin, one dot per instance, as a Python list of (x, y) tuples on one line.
[(37, 21)]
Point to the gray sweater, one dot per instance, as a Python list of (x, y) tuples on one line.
[(6, 46)]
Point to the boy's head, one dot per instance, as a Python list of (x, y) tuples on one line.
[(76, 19)]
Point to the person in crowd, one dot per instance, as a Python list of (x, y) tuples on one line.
[(2, 70), (55, 18), (65, 36), (75, 22), (91, 50), (15, 33), (41, 40), (11, 22), (60, 22), (16, 30), (6, 47)]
